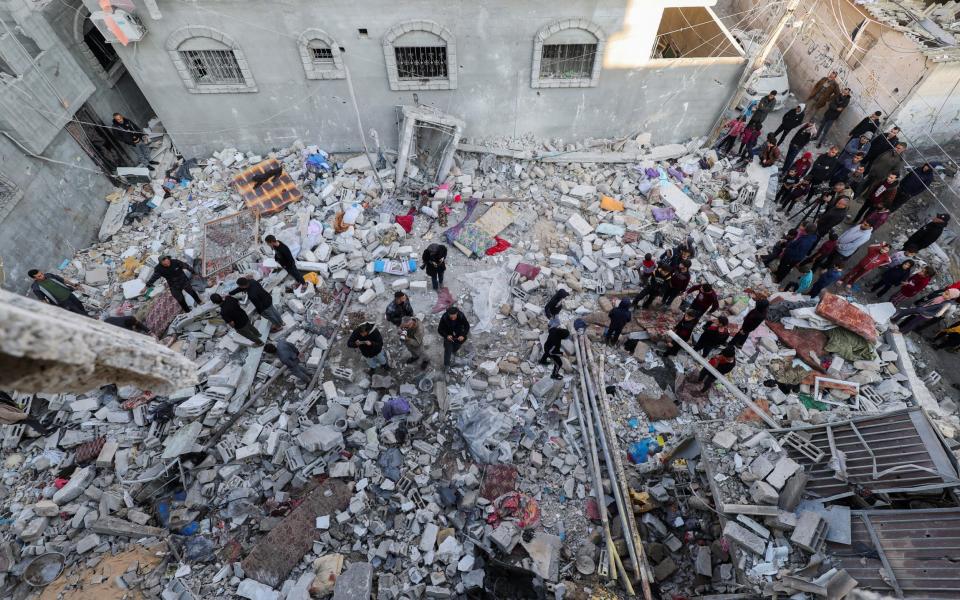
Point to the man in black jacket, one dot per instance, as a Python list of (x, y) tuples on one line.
[(261, 299), (454, 330), (399, 308), (832, 217), (133, 136), (435, 262), (52, 289), (880, 145), (283, 256), (869, 124), (791, 119), (367, 339), (822, 169), (552, 350), (834, 109), (929, 233), (764, 107), (234, 316), (172, 270)]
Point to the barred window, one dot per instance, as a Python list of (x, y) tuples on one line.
[(8, 189), (322, 56), (567, 61), (421, 62), (213, 67)]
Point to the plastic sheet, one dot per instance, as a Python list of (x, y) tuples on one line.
[(485, 431), (488, 289)]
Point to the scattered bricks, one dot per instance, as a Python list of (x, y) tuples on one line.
[(34, 529), (119, 527), (810, 532), (355, 583), (744, 538), (761, 467), (88, 543), (248, 451), (367, 296), (792, 491), (558, 260), (782, 471), (320, 438), (579, 226), (752, 525), (342, 373), (506, 536), (703, 565), (330, 391), (802, 444), (763, 493), (80, 479), (725, 439), (589, 264), (276, 554), (428, 539)]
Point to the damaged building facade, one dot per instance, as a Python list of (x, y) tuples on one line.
[(58, 80), (221, 74)]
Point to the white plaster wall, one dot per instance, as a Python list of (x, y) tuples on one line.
[(932, 112), (675, 100)]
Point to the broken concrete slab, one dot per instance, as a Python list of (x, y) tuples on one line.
[(355, 582), (119, 527)]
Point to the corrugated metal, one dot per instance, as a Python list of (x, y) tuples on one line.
[(904, 553), (898, 439)]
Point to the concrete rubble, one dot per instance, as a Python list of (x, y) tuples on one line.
[(250, 483)]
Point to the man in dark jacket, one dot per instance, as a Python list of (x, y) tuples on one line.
[(656, 287), (714, 335), (454, 329), (172, 270), (915, 182), (133, 136), (790, 121), (285, 258), (290, 357), (234, 316), (367, 339), (888, 162), (619, 317), (870, 124), (261, 299), (763, 108), (822, 169), (800, 139), (753, 320), (678, 283), (929, 233), (834, 109), (796, 251), (832, 217), (878, 194), (555, 304), (399, 308), (684, 330), (880, 145), (435, 263), (52, 289), (552, 349), (706, 301)]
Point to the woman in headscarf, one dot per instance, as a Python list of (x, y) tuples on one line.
[(920, 315)]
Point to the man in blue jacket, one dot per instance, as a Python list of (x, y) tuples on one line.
[(796, 251)]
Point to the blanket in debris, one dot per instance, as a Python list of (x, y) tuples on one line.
[(848, 345)]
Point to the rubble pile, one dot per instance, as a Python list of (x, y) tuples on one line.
[(422, 482)]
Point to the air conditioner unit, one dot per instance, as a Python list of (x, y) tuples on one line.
[(118, 26)]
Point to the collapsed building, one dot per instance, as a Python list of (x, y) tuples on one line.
[(821, 467)]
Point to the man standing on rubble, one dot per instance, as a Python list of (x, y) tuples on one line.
[(552, 350), (172, 270), (678, 283), (723, 363), (285, 258), (435, 263), (754, 319), (411, 334), (234, 316), (929, 233), (53, 289), (399, 308), (555, 304), (290, 357), (454, 329), (714, 335), (367, 339), (706, 301), (619, 317), (261, 299), (684, 330), (133, 135)]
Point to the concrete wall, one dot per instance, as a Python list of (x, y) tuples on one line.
[(675, 100), (61, 206), (932, 113)]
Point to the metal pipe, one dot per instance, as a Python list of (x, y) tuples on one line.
[(586, 426), (622, 503), (726, 383), (621, 477)]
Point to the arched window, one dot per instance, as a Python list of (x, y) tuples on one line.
[(420, 55), (209, 61), (567, 53), (320, 55)]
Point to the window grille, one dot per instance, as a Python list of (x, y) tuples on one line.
[(213, 67), (9, 191), (322, 57), (567, 61), (421, 62)]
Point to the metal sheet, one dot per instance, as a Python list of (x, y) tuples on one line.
[(908, 553), (904, 440)]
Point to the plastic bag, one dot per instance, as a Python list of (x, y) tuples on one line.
[(485, 431), (395, 407), (405, 221)]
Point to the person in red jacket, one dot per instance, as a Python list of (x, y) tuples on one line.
[(879, 194), (679, 281), (878, 255), (723, 363), (706, 300), (802, 164), (878, 217), (914, 285)]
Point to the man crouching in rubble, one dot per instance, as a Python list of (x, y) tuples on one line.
[(454, 329), (367, 339)]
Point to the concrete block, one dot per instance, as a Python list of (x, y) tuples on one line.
[(782, 471), (763, 493), (254, 590), (88, 543), (745, 538), (725, 439), (355, 583)]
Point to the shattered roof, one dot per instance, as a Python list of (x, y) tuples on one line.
[(909, 553), (891, 452), (934, 30)]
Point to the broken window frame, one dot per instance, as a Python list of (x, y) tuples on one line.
[(667, 47)]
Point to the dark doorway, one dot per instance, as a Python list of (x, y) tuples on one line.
[(98, 45), (97, 140)]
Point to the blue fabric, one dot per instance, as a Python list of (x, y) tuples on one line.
[(799, 248)]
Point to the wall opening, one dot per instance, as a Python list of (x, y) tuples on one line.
[(692, 32), (102, 50)]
